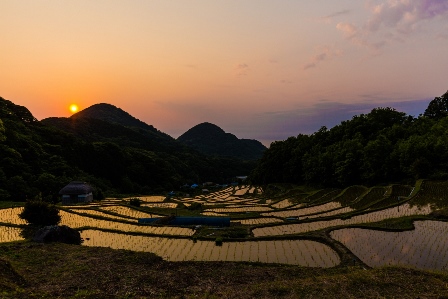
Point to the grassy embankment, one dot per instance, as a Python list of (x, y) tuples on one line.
[(30, 270)]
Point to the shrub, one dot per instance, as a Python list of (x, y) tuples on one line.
[(40, 213), (195, 206), (135, 202), (218, 241)]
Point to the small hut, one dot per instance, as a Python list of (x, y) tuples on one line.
[(76, 192)]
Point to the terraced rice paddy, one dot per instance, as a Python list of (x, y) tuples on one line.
[(305, 211), (241, 191), (258, 221), (78, 221), (164, 205), (9, 234), (240, 209), (296, 252), (152, 198), (332, 213), (426, 247), (395, 212), (213, 214), (10, 216), (283, 204), (127, 212), (113, 223), (101, 214)]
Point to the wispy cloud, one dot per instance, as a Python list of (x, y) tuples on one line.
[(359, 37), (241, 69), (403, 16), (322, 54), (392, 20), (191, 66), (330, 17)]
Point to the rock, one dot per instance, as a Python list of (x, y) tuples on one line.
[(55, 233)]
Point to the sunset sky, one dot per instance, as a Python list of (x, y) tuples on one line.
[(259, 69)]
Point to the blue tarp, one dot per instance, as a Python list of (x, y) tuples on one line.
[(211, 221)]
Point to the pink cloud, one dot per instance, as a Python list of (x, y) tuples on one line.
[(323, 53), (405, 15), (358, 37), (241, 69), (392, 21), (349, 30)]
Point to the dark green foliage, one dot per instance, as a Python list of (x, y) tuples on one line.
[(135, 202), (383, 146), (438, 107), (40, 213), (2, 131), (195, 206), (98, 194)]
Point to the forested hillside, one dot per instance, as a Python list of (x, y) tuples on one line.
[(39, 158), (382, 146)]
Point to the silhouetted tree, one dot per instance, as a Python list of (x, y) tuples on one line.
[(38, 212), (438, 107)]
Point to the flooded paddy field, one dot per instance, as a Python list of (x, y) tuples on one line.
[(295, 252), (426, 247), (268, 228), (394, 212), (9, 234)]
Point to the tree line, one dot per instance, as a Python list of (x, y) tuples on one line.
[(383, 146)]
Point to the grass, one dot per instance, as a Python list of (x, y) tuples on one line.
[(11, 204), (30, 270)]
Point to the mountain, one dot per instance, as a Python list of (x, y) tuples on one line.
[(104, 146), (210, 139), (105, 122), (113, 114)]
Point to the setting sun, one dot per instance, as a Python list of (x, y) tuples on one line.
[(73, 108)]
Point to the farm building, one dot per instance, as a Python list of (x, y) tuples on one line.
[(76, 192)]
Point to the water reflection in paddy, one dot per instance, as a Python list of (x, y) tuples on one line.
[(78, 221), (9, 234), (296, 252), (395, 212), (424, 248), (11, 215)]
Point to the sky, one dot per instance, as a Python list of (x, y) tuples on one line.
[(259, 69)]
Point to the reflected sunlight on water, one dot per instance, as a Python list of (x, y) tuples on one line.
[(425, 247), (395, 212), (296, 252), (9, 234)]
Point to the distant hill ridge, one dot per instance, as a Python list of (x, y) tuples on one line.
[(105, 122), (210, 139), (112, 114)]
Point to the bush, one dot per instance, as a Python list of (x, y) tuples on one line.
[(195, 206), (218, 241), (40, 213), (4, 195), (135, 202)]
